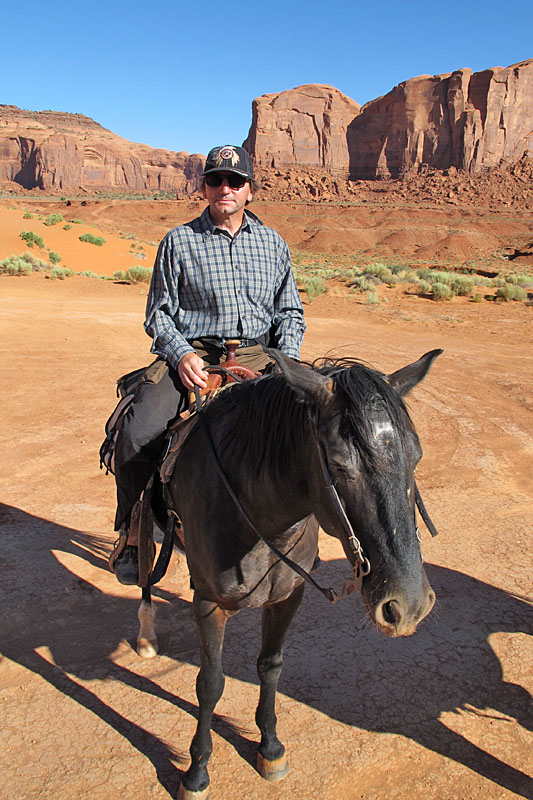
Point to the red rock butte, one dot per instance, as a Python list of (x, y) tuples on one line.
[(469, 121)]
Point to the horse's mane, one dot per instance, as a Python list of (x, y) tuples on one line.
[(271, 420)]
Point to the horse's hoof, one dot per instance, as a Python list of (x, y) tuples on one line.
[(273, 770), (147, 648), (186, 794)]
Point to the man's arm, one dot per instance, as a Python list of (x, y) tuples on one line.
[(161, 306), (289, 325)]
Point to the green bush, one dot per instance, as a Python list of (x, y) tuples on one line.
[(372, 298), (15, 265), (55, 258), (88, 237), (477, 298), (313, 286), (32, 238), (361, 284), (27, 215), (61, 273), (511, 292), (441, 291), (380, 271), (423, 287), (462, 285), (67, 227), (88, 274), (134, 275), (53, 219)]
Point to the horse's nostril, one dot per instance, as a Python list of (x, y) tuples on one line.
[(390, 612)]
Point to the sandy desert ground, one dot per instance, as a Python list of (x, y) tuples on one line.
[(446, 713)]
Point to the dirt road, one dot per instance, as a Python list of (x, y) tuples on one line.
[(443, 714)]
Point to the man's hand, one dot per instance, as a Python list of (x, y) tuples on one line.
[(191, 371)]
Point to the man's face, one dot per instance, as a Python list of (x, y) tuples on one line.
[(224, 201)]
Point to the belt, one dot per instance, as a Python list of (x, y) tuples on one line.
[(220, 341)]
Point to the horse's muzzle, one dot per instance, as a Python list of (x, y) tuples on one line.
[(396, 616)]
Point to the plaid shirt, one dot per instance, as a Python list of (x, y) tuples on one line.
[(207, 283)]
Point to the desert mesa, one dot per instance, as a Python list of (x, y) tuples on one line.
[(471, 121)]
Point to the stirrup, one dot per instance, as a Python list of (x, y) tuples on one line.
[(118, 547)]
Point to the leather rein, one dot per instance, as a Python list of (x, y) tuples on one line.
[(361, 564)]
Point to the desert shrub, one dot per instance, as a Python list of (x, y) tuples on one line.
[(313, 286), (462, 285), (140, 256), (423, 287), (60, 273), (510, 292), (27, 215), (53, 219), (15, 265), (361, 284), (88, 237), (55, 258), (477, 298), (499, 280), (119, 275), (441, 291), (67, 227), (380, 271), (372, 298), (436, 276), (87, 273), (77, 222), (32, 238)]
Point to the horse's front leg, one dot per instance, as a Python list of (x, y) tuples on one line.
[(147, 645), (211, 622), (272, 762)]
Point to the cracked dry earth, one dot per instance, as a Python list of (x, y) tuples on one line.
[(445, 713)]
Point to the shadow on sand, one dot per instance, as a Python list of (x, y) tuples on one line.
[(347, 671)]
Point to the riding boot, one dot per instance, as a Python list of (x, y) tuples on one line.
[(124, 560)]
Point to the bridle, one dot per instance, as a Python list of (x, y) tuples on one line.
[(361, 564)]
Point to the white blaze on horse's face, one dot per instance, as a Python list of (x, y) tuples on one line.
[(383, 430)]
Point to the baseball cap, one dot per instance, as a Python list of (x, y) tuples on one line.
[(229, 158)]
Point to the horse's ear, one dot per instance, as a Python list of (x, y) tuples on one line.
[(308, 383), (406, 378)]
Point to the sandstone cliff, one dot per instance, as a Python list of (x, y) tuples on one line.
[(59, 151), (471, 121), (305, 126)]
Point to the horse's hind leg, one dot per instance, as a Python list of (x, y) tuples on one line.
[(211, 622), (147, 646), (272, 762)]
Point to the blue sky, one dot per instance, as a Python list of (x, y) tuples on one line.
[(183, 75)]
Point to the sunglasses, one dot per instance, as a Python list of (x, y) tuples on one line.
[(234, 181)]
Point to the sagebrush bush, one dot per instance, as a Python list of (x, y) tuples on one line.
[(441, 291), (380, 271), (55, 258), (53, 219), (462, 285), (91, 239), (511, 292), (423, 287), (61, 273), (32, 238), (67, 227), (15, 265), (361, 284), (313, 286)]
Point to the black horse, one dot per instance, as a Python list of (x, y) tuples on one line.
[(332, 446)]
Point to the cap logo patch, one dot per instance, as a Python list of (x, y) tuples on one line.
[(227, 154)]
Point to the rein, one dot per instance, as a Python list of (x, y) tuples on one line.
[(362, 564)]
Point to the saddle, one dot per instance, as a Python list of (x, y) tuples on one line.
[(141, 523)]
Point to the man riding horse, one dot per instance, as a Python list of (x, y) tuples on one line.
[(224, 275)]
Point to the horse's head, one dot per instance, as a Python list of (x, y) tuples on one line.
[(370, 450)]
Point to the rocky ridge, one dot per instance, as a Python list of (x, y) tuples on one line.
[(470, 121), (56, 151)]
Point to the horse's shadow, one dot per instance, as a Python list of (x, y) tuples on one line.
[(362, 678)]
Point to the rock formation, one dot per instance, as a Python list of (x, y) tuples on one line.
[(305, 126), (464, 120), (460, 119), (59, 151)]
